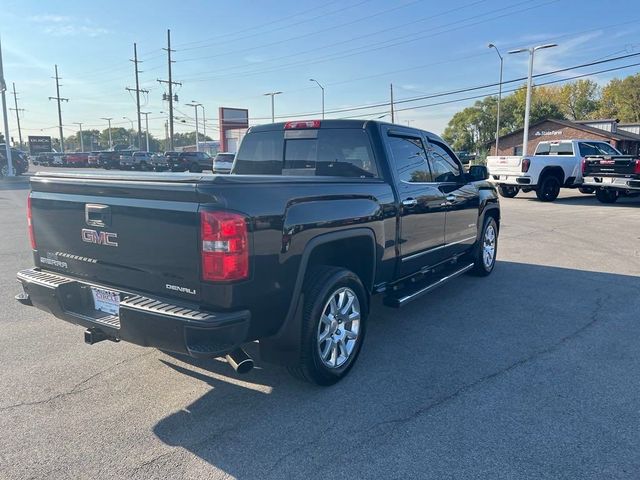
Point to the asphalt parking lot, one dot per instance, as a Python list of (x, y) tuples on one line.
[(532, 372)]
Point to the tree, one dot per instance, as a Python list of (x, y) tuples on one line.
[(119, 136), (579, 100), (621, 99), (186, 139)]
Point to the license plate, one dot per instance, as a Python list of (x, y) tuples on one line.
[(106, 301)]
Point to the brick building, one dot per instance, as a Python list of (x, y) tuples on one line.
[(608, 130)]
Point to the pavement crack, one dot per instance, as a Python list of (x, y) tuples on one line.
[(76, 389)]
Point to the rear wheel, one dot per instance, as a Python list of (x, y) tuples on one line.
[(549, 189), (333, 325), (508, 191), (607, 195)]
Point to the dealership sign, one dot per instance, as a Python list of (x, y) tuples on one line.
[(39, 144), (548, 133)]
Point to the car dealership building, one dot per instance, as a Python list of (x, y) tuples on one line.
[(623, 136)]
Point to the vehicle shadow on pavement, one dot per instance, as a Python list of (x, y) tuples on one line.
[(429, 393)]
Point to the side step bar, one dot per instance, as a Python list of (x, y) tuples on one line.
[(402, 297)]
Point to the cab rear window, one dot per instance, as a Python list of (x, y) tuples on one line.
[(323, 152), (559, 148)]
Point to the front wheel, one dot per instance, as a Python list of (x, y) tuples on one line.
[(333, 325), (486, 248), (606, 195), (508, 191), (549, 189)]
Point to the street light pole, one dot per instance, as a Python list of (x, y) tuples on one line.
[(491, 45), (108, 119), (321, 88), (146, 126), (272, 94), (527, 107), (81, 139), (7, 145), (204, 120), (195, 107)]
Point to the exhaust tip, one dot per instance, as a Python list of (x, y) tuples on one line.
[(240, 361)]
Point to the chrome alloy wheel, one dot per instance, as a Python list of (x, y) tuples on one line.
[(489, 246), (339, 328)]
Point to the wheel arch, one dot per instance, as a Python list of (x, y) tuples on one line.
[(554, 170)]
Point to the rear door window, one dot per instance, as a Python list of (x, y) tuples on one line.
[(410, 159)]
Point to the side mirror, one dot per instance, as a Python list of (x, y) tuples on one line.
[(478, 173)]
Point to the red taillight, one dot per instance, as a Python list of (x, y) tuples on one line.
[(636, 169), (526, 163), (32, 237), (300, 125), (225, 246)]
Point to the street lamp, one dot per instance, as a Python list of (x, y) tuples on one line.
[(81, 139), (108, 119), (146, 123), (195, 107), (321, 88), (532, 50), (204, 120), (491, 45), (129, 132), (272, 94)]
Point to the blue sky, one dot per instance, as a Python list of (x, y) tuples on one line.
[(230, 53)]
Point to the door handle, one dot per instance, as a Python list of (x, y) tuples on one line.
[(409, 202)]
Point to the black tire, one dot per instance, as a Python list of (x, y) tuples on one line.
[(195, 168), (508, 191), (321, 284), (548, 189), (606, 195), (586, 190), (482, 268)]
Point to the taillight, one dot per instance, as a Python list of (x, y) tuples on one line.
[(32, 237), (526, 163), (636, 169), (225, 246), (300, 125)]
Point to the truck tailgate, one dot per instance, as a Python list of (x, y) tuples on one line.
[(502, 165), (610, 165), (126, 231)]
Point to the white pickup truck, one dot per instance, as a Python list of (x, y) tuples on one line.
[(554, 165)]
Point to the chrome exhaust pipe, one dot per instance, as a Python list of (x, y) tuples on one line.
[(240, 361)]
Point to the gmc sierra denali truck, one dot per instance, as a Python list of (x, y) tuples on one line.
[(612, 176), (316, 217), (553, 166)]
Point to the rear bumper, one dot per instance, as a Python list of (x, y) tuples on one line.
[(142, 320), (515, 180), (622, 183)]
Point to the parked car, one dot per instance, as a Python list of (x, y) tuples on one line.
[(51, 159), (553, 166), (190, 161), (93, 159), (19, 160), (136, 160), (77, 159), (317, 218), (612, 176), (223, 162), (111, 159), (171, 158), (159, 162)]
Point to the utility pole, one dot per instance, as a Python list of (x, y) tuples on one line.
[(81, 139), (171, 83), (108, 119), (7, 146), (137, 90), (17, 110), (59, 99), (146, 123), (393, 116)]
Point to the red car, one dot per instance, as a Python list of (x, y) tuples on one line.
[(77, 159)]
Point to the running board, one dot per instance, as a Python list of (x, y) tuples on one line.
[(404, 296)]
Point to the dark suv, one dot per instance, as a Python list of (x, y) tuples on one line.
[(190, 161)]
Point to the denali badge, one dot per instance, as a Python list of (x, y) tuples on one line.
[(180, 289), (100, 238)]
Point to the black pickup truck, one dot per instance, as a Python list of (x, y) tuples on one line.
[(612, 176), (315, 218)]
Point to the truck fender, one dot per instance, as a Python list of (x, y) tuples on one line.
[(284, 347)]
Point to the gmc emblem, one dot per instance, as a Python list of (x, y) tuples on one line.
[(100, 238)]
